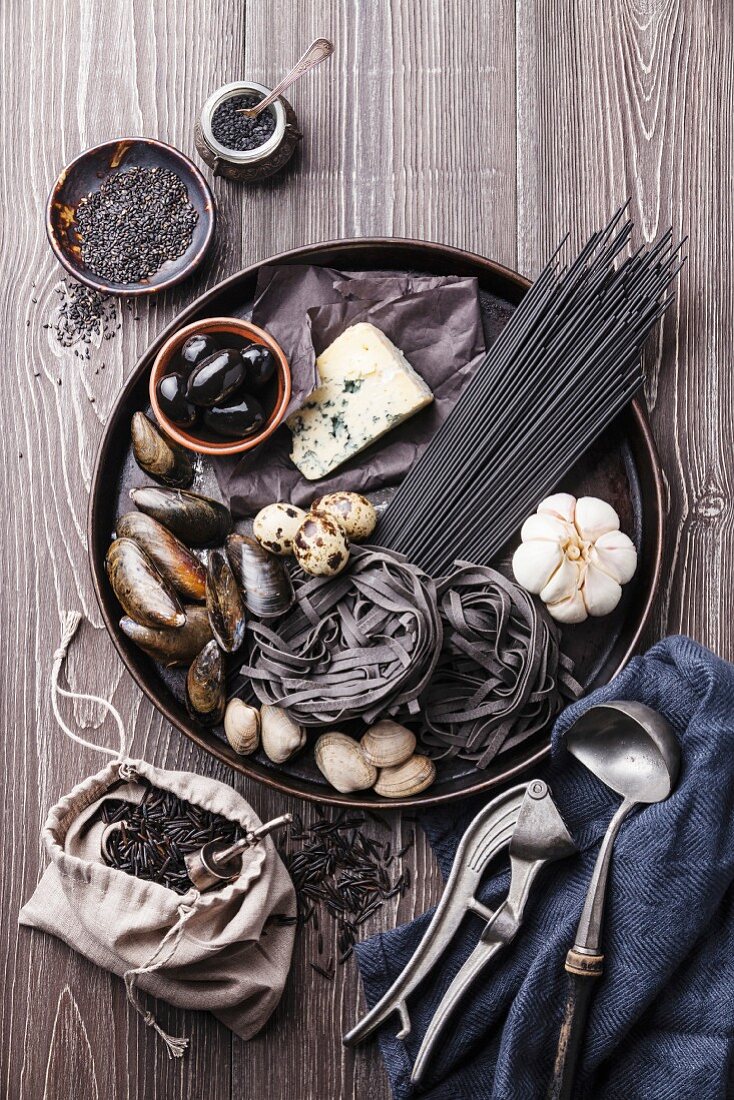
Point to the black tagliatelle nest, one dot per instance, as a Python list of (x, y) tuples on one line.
[(360, 645), (501, 676)]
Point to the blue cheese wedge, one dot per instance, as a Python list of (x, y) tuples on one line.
[(367, 388)]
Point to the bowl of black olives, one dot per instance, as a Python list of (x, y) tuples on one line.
[(220, 387)]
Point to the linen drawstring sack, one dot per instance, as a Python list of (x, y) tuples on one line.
[(227, 950)]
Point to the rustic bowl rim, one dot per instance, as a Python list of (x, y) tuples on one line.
[(220, 324), (94, 282)]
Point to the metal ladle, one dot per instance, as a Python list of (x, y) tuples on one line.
[(633, 750)]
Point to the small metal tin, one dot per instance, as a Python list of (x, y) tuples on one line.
[(247, 165)]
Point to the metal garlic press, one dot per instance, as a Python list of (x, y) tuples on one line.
[(525, 820)]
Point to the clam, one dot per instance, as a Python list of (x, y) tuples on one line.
[(353, 512), (196, 519), (275, 527), (343, 764), (159, 456), (172, 559), (404, 780), (320, 546), (281, 735), (264, 581), (224, 603), (205, 694), (387, 744), (171, 647), (144, 594), (242, 726)]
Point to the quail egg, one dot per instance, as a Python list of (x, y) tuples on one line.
[(320, 546), (275, 527), (353, 512)]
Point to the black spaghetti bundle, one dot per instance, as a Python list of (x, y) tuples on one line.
[(501, 677), (563, 368)]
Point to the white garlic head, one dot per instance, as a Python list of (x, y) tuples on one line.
[(574, 557)]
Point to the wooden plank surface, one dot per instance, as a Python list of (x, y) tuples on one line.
[(564, 108)]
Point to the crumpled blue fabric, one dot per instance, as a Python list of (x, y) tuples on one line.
[(661, 1025)]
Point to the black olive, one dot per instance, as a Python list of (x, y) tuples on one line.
[(171, 390), (216, 377), (240, 418), (196, 348), (260, 364)]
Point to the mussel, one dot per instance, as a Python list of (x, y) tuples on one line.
[(263, 578), (158, 456), (205, 692), (224, 603), (196, 519), (172, 647), (144, 594), (172, 559)]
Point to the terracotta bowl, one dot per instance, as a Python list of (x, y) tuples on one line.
[(86, 174), (215, 326)]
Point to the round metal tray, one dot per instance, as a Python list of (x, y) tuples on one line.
[(622, 467)]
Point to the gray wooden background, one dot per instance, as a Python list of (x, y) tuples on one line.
[(495, 125)]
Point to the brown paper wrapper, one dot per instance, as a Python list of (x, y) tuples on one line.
[(435, 320)]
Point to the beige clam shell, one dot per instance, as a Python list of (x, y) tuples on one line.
[(242, 726), (387, 744), (342, 763), (281, 735), (406, 779)]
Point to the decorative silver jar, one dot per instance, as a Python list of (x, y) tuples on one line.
[(247, 165)]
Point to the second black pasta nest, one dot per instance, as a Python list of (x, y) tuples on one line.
[(471, 659)]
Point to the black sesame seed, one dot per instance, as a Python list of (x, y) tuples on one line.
[(136, 221), (237, 131)]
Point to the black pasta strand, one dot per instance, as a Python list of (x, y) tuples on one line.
[(566, 364)]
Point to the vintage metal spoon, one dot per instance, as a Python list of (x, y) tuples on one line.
[(219, 862), (317, 52), (633, 750)]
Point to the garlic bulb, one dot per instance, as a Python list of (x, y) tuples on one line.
[(574, 557)]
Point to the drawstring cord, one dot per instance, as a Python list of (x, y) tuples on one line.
[(69, 625), (176, 1045), (70, 621)]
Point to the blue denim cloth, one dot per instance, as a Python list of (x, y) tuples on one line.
[(661, 1025)]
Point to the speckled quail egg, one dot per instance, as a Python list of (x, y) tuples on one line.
[(275, 527), (321, 546), (353, 512)]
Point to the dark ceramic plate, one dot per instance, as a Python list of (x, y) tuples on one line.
[(87, 173), (622, 468)]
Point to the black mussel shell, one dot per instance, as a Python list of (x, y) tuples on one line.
[(171, 647), (216, 377), (195, 519), (196, 348), (205, 685), (142, 591), (159, 456), (242, 417), (171, 390), (264, 580), (260, 363), (174, 561), (224, 603)]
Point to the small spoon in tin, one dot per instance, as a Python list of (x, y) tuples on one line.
[(632, 749), (317, 52)]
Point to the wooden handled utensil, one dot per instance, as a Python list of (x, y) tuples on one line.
[(633, 750)]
